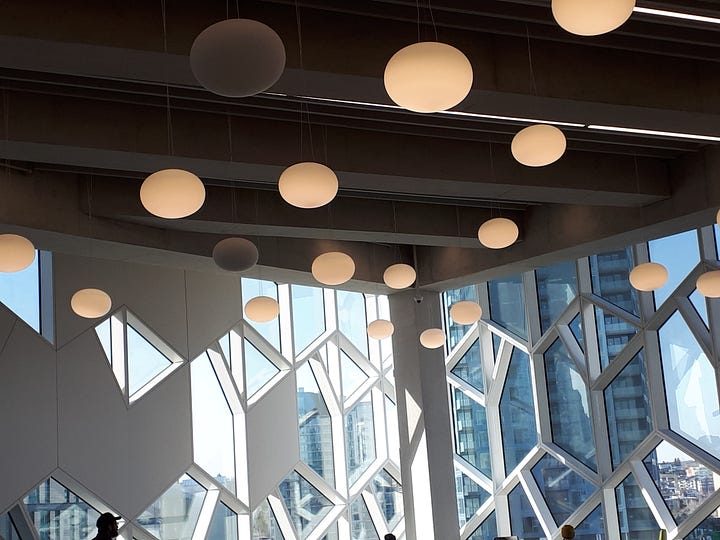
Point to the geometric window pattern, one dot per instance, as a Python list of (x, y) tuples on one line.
[(611, 423)]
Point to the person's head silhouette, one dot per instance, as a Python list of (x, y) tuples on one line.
[(390, 536)]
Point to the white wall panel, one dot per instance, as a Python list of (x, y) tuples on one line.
[(7, 322), (28, 413), (272, 439)]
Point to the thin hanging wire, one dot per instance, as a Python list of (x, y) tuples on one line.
[(432, 20), (530, 62), (306, 105), (417, 9), (171, 146)]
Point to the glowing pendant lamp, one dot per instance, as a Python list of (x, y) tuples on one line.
[(399, 276), (428, 77), (465, 312), (432, 338), (648, 276), (237, 57), (262, 309), (91, 303), (235, 254), (538, 145), (16, 253), (333, 268), (708, 284), (308, 185), (591, 17), (498, 233), (380, 329), (172, 193)]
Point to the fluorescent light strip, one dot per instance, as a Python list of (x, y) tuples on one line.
[(671, 134), (677, 15)]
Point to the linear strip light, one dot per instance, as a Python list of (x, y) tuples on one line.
[(677, 15), (672, 134)]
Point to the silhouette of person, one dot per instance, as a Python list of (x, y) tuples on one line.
[(567, 532), (107, 526), (390, 536)]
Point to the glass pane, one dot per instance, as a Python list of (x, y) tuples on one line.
[(145, 362), (610, 274), (359, 438), (576, 329), (471, 433), (678, 253), (255, 287), (103, 333), (569, 407), (223, 525), (361, 525), (613, 334), (690, 386), (393, 431), (523, 522), (315, 429), (213, 439), (264, 524), (497, 340), (59, 514), (636, 519), (556, 288), (7, 528), (487, 530), (226, 348), (305, 504), (698, 301), (174, 515), (507, 304), (352, 320), (20, 292), (563, 489), (388, 493), (455, 331), (258, 369), (683, 482), (627, 403), (352, 375), (592, 527), (470, 496), (708, 529), (517, 411), (308, 311), (469, 368), (331, 533)]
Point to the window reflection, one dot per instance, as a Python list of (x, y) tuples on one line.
[(517, 411), (507, 304), (636, 519), (469, 368), (487, 530), (223, 525), (316, 448), (175, 514), (563, 489), (613, 334), (523, 522), (351, 318), (471, 432), (610, 275), (470, 496), (305, 504), (556, 288), (679, 254), (361, 524), (58, 514), (264, 524), (308, 315), (359, 438)]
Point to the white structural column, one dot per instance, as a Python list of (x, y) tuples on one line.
[(426, 452)]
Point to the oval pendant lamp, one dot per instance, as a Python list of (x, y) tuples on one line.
[(16, 253), (262, 309), (591, 17), (538, 145), (380, 329), (648, 276), (333, 268), (498, 233), (91, 303), (399, 276), (172, 193), (308, 185)]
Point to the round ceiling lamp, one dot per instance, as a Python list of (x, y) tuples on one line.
[(90, 303), (648, 276), (428, 77), (235, 254), (708, 284), (262, 309), (432, 338), (591, 17), (16, 253), (399, 276), (172, 193), (237, 57), (498, 233), (308, 185), (333, 268), (380, 329), (538, 145), (466, 312)]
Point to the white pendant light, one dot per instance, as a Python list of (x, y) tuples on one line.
[(648, 276), (262, 309), (466, 312), (16, 253), (308, 185), (708, 284), (237, 57), (380, 329), (498, 233), (90, 303), (591, 17), (235, 254), (538, 145), (399, 276), (333, 268), (172, 193), (428, 77), (432, 338)]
